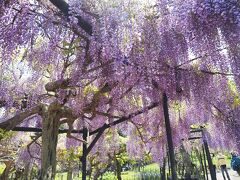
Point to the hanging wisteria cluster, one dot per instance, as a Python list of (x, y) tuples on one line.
[(56, 69)]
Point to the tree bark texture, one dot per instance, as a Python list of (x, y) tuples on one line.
[(50, 127)]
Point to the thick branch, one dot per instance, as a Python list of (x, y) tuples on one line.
[(65, 83), (67, 113), (100, 130), (91, 107), (139, 132), (17, 119), (199, 57), (59, 84), (2, 103), (105, 126), (64, 8), (210, 72), (123, 119), (94, 141)]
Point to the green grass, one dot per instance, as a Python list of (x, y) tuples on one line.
[(63, 176), (152, 168), (126, 175)]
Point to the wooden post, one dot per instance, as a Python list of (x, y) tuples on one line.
[(209, 159), (169, 137), (84, 155)]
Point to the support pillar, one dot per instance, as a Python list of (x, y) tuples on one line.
[(84, 155), (163, 170), (169, 137), (201, 162), (209, 159)]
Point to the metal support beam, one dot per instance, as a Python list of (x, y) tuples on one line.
[(33, 129)]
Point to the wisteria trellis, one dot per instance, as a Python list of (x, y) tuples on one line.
[(95, 61)]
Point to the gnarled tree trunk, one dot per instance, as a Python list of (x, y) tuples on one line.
[(50, 127)]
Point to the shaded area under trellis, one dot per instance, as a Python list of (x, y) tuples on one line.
[(99, 131)]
